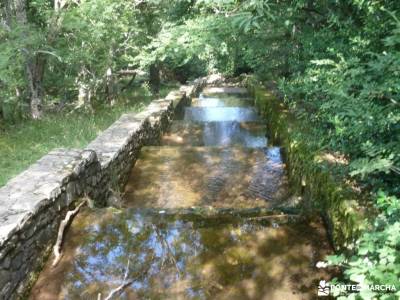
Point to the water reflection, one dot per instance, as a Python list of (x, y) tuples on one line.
[(216, 134), (167, 257)]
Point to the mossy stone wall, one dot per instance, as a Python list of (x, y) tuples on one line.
[(309, 174)]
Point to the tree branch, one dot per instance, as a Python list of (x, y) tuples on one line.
[(63, 225)]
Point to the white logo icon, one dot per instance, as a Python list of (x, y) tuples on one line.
[(323, 288)]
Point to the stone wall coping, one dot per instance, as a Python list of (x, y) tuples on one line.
[(115, 137), (36, 187)]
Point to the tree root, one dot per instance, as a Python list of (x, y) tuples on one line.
[(60, 237)]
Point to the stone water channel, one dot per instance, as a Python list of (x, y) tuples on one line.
[(205, 215)]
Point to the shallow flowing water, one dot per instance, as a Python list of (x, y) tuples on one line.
[(168, 177), (205, 216), (227, 133)]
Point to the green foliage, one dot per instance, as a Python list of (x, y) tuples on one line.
[(12, 69), (353, 107), (74, 47), (376, 260)]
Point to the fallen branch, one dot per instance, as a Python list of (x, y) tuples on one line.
[(60, 237)]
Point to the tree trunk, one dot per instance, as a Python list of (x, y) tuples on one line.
[(7, 13), (34, 62), (83, 95), (36, 71), (84, 92), (154, 79), (110, 87), (130, 82), (36, 104), (286, 55), (34, 66)]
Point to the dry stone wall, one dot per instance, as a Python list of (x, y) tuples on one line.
[(33, 204)]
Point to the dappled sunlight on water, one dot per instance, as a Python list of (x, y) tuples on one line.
[(221, 177), (174, 258)]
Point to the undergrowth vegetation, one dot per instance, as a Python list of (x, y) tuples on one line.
[(24, 143), (376, 260)]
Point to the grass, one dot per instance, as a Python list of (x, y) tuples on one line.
[(23, 144)]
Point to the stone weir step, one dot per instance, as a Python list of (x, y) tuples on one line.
[(225, 90), (227, 101), (209, 213), (171, 177), (209, 114), (229, 133)]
